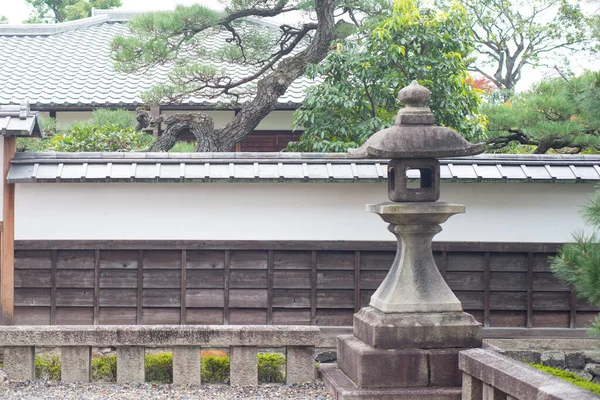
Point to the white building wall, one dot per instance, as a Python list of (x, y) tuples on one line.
[(500, 212)]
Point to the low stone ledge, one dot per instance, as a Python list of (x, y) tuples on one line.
[(160, 335), (517, 379)]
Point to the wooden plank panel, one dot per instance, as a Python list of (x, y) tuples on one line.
[(464, 261), (471, 300), (477, 314), (209, 298), (7, 239), (161, 298), (74, 315), (505, 262), (545, 319), (551, 301), (313, 288), (243, 316), (290, 298), (32, 297), (36, 278), (584, 319), (118, 298), (205, 279), (337, 317), (508, 281), (119, 259), (335, 280), (465, 280), (33, 259), (53, 289), (204, 316), (205, 259), (508, 318), (335, 299), (96, 287), (291, 317), (365, 297), (583, 305), (291, 279), (270, 279), (117, 316), (75, 259), (75, 297), (370, 279), (74, 278), (162, 259), (508, 301), (335, 260), (541, 263), (32, 315), (248, 279), (161, 278), (293, 260), (376, 260), (248, 298), (114, 278), (183, 288), (161, 316), (547, 282), (248, 259)]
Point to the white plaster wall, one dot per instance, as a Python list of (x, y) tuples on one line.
[(277, 120), (286, 211), (66, 117), (2, 185)]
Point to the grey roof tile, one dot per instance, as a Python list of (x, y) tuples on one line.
[(70, 65)]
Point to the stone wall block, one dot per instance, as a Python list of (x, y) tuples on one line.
[(575, 360), (592, 368), (443, 368), (300, 365), (243, 366), (19, 363), (76, 364), (554, 359), (592, 356), (130, 364), (534, 357), (186, 365)]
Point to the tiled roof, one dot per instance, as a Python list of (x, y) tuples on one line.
[(294, 167), (19, 121), (69, 64)]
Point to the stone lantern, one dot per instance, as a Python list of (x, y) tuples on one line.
[(406, 342)]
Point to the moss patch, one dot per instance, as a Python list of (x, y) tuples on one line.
[(569, 377)]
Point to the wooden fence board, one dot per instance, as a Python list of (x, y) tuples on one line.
[(320, 283)]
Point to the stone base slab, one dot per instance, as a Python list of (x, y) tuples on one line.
[(368, 367), (342, 388), (374, 368), (417, 330)]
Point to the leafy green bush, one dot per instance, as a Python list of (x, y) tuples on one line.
[(119, 117), (183, 147), (104, 369), (47, 367), (87, 137), (569, 377), (215, 369), (159, 367), (271, 368)]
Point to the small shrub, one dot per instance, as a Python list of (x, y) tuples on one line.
[(47, 367), (215, 369), (119, 117), (271, 367), (569, 377), (87, 137), (159, 367), (104, 369), (183, 147)]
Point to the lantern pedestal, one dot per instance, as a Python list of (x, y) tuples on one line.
[(406, 343)]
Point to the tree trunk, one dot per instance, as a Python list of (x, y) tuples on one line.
[(199, 124)]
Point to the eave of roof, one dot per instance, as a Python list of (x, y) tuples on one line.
[(286, 167)]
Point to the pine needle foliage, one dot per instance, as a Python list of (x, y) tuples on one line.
[(578, 263)]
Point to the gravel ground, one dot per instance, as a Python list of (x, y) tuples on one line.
[(45, 390)]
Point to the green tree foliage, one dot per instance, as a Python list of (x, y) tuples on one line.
[(559, 114), (66, 10), (274, 56), (511, 34), (578, 263), (363, 76), (3, 19)]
